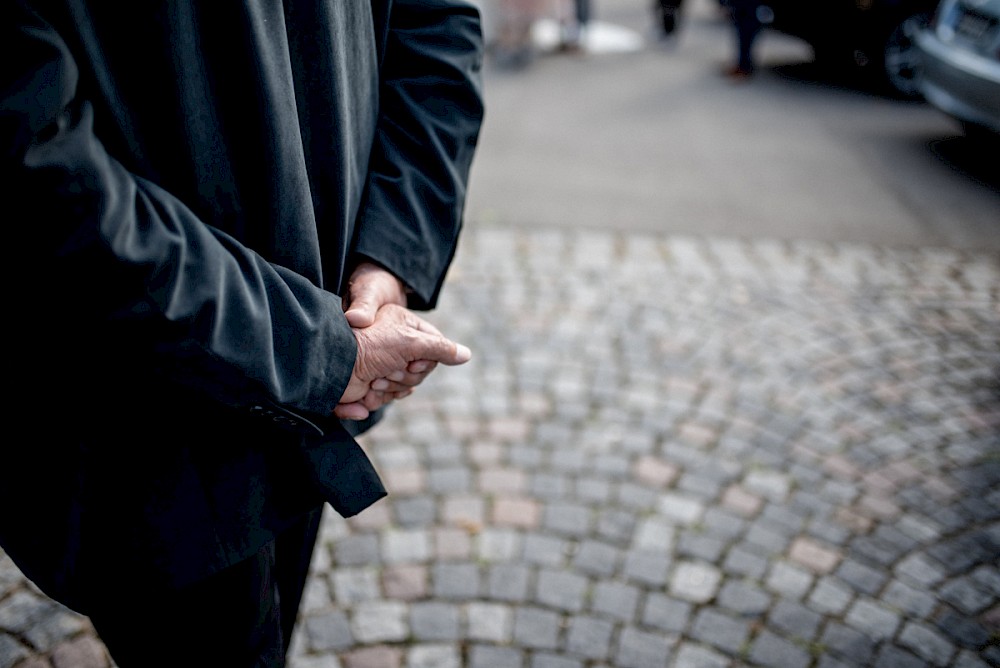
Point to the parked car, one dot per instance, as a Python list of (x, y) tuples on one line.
[(872, 37), (961, 64)]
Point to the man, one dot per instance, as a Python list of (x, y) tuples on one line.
[(195, 193)]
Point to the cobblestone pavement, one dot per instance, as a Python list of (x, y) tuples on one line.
[(668, 452)]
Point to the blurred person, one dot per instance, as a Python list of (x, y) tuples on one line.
[(513, 45), (573, 26), (224, 213), (667, 13), (749, 18)]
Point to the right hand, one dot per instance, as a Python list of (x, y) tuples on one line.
[(400, 346)]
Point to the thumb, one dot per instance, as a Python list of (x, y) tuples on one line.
[(361, 311)]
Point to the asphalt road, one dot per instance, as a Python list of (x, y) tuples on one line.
[(656, 140)]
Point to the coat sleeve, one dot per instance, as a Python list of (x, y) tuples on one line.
[(431, 109), (111, 257)]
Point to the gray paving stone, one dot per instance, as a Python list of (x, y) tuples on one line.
[(567, 519), (499, 545), (433, 656), (615, 525), (721, 631), (536, 628), (769, 649), (700, 546), (861, 577), (695, 656), (873, 619), (11, 651), (988, 577), (966, 595), (848, 644), (666, 613), (611, 465), (646, 567), (742, 562), (358, 550), (636, 497), (695, 581), (544, 550), (789, 581), (489, 656), (967, 659), (768, 538), (455, 580), (560, 589), (489, 622), (875, 551), (639, 649), (550, 486), (910, 600), (920, 570), (543, 660), (654, 534), (593, 489), (328, 631), (351, 585), (406, 546), (379, 621), (891, 656), (827, 661), (415, 511), (46, 633), (926, 643), (509, 582), (795, 620), (596, 558), (433, 621), (724, 524), (743, 598), (773, 485), (681, 509), (615, 599), (589, 637), (963, 630)]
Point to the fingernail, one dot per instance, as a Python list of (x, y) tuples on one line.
[(380, 384), (462, 353)]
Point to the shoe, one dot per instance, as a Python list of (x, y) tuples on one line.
[(737, 73)]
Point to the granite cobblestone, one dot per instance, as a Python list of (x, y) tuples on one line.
[(784, 456)]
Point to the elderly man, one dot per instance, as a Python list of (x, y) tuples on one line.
[(225, 215)]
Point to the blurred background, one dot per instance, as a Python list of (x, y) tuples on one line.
[(642, 132)]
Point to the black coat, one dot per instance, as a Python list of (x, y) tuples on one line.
[(186, 187)]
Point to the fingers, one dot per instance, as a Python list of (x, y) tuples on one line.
[(351, 411), (361, 410), (423, 367)]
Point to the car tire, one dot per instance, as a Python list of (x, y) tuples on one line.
[(901, 61), (980, 134)]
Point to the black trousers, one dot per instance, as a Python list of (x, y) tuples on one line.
[(242, 617)]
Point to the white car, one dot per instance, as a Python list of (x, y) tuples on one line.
[(961, 64)]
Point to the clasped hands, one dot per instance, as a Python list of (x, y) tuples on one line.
[(397, 349)]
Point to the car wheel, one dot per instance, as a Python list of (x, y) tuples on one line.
[(901, 63), (980, 134)]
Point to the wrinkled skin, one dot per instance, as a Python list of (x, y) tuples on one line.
[(397, 349)]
